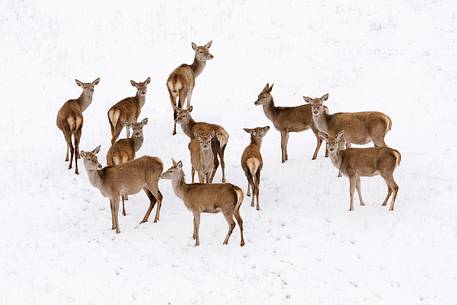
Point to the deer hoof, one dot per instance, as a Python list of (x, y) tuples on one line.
[(242, 243), (257, 208)]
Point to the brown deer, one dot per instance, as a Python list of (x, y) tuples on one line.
[(359, 127), (181, 81), (125, 179), (207, 198), (124, 150), (202, 157), (287, 119), (194, 129), (359, 162), (127, 110), (70, 119), (252, 162)]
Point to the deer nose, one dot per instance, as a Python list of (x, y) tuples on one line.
[(99, 166)]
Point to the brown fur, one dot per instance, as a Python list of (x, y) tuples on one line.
[(252, 162), (202, 158), (359, 127), (126, 179), (70, 120), (194, 129), (287, 119), (207, 198), (181, 81), (359, 162), (127, 110)]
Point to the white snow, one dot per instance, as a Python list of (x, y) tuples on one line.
[(303, 247)]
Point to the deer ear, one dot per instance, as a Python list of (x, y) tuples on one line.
[(179, 164), (271, 88), (194, 46), (83, 153), (97, 149), (248, 130), (95, 82), (144, 121), (173, 162), (190, 108), (324, 97), (340, 136), (79, 83), (208, 45), (307, 99), (148, 80), (267, 87), (133, 83), (323, 135)]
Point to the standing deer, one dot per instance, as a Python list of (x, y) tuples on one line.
[(124, 150), (181, 81), (358, 162), (125, 179), (202, 157), (194, 129), (359, 127), (252, 163), (287, 119), (70, 119), (207, 198), (127, 110)]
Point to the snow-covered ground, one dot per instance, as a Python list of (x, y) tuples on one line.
[(303, 247)]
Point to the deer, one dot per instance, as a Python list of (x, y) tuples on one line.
[(363, 162), (252, 162), (127, 110), (181, 81), (202, 157), (124, 150), (125, 179), (287, 119), (193, 129), (207, 198), (70, 120)]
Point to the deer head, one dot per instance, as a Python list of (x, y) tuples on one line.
[(183, 115), (88, 88), (257, 133), (173, 172), (141, 88), (334, 143), (205, 140), (264, 98), (137, 128), (317, 104), (90, 159), (202, 52)]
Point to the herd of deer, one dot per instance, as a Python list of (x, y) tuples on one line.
[(126, 175)]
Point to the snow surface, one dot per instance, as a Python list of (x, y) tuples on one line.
[(303, 247)]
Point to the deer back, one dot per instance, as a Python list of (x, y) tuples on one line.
[(121, 151), (210, 198), (369, 161)]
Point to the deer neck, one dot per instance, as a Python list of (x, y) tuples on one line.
[(322, 121), (179, 184), (141, 100), (270, 110), (197, 66), (137, 142), (95, 178), (205, 153), (336, 159), (84, 100), (187, 127), (256, 141)]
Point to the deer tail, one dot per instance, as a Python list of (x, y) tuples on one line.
[(388, 123), (239, 197), (74, 123), (113, 117), (397, 156), (222, 136)]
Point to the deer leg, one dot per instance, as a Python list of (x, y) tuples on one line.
[(393, 188), (389, 192), (284, 139), (352, 184), (251, 184), (77, 138), (257, 184), (201, 177), (173, 105), (152, 202), (189, 98), (70, 145), (379, 142), (193, 174), (326, 150), (123, 205), (68, 150), (359, 191), (127, 130), (215, 166), (240, 224), (113, 222), (116, 213), (248, 193), (158, 196), (117, 132), (196, 227), (318, 145), (231, 223), (221, 155)]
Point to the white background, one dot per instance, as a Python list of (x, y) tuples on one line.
[(303, 247)]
